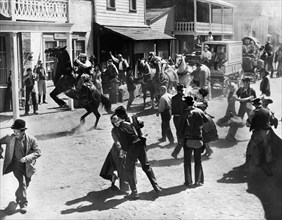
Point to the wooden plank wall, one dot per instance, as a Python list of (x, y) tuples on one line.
[(121, 16)]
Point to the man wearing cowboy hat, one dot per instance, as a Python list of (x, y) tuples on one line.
[(177, 109), (259, 123), (264, 84), (245, 95), (191, 127), (122, 66), (42, 86), (21, 152), (83, 64)]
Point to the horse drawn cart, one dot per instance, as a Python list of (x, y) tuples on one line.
[(226, 62)]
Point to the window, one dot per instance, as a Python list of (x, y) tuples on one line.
[(132, 6), (3, 61), (62, 43), (111, 4), (50, 60), (79, 47)]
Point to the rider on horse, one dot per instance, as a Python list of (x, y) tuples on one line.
[(84, 80)]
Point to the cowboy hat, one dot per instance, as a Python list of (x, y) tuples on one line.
[(256, 101), (189, 100), (179, 87)]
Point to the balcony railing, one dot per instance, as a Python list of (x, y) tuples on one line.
[(35, 10), (200, 27)]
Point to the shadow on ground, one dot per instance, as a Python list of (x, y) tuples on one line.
[(268, 189), (11, 209), (99, 201), (223, 143), (103, 200)]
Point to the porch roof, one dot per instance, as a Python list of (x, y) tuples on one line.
[(139, 33), (218, 2), (23, 26)]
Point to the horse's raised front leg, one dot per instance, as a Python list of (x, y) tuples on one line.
[(82, 119), (54, 94)]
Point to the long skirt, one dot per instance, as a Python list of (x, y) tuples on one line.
[(115, 163)]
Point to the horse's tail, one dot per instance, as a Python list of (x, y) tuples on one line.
[(106, 103)]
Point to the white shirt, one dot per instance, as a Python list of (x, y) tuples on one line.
[(206, 54)]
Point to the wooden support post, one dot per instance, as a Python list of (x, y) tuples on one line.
[(69, 49), (15, 77)]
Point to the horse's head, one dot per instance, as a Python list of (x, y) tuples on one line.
[(57, 52), (63, 63), (180, 60)]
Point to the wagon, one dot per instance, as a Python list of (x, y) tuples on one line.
[(231, 69)]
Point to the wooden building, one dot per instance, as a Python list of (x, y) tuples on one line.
[(192, 18), (28, 27), (120, 27)]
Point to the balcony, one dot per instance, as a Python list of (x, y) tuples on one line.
[(191, 28), (35, 10)]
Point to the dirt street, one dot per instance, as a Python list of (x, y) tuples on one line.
[(67, 184)]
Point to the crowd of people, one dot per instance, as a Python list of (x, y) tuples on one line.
[(195, 128)]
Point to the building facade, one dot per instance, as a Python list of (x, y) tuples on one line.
[(192, 18), (120, 27)]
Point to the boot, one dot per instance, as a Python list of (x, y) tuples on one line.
[(39, 99), (187, 176), (44, 99), (152, 178)]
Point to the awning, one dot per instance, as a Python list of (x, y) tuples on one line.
[(139, 33)]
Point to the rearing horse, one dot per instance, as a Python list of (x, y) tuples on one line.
[(65, 81)]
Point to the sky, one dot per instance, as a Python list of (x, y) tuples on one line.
[(272, 7)]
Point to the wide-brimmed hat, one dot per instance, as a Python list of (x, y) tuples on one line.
[(266, 73), (189, 100), (256, 101), (180, 87), (19, 124), (246, 79), (267, 100)]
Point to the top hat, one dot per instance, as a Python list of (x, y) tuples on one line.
[(19, 124), (256, 101), (179, 87), (189, 100)]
